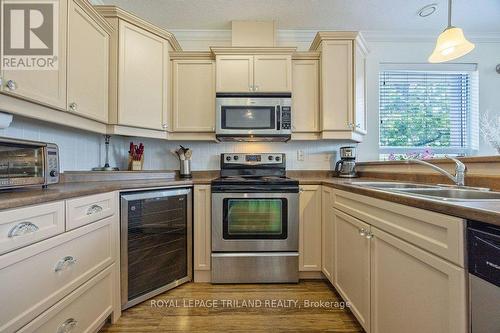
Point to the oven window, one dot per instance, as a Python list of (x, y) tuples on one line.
[(21, 162), (255, 218), (248, 117)]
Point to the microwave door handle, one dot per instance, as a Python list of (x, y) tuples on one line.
[(278, 117)]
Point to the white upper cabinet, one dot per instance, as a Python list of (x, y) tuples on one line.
[(305, 95), (246, 70), (88, 69), (142, 78), (46, 87), (193, 97), (273, 73), (235, 73), (343, 84), (139, 87)]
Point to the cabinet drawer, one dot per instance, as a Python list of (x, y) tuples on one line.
[(36, 277), (23, 226), (84, 309), (85, 210), (437, 233)]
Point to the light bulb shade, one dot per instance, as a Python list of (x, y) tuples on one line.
[(451, 44)]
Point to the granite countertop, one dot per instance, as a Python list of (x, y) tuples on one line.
[(474, 210)]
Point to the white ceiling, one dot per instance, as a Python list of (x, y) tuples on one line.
[(366, 15)]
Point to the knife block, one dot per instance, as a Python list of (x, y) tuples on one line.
[(135, 165)]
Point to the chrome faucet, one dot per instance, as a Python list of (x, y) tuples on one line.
[(460, 170)]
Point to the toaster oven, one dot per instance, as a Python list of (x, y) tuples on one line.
[(28, 163)]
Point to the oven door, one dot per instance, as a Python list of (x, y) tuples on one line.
[(21, 164), (255, 222)]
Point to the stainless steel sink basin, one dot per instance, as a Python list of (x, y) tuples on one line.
[(454, 194), (394, 185), (436, 192)]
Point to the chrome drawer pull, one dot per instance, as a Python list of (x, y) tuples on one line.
[(362, 232), (94, 209), (67, 326), (369, 235), (65, 262), (22, 228)]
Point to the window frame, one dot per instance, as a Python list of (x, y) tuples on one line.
[(471, 146)]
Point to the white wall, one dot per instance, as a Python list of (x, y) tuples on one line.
[(486, 55), (82, 150)]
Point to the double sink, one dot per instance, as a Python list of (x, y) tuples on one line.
[(437, 192)]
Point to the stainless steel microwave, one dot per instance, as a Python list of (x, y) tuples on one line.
[(253, 117), (28, 163)]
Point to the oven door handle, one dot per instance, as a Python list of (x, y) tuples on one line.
[(278, 117)]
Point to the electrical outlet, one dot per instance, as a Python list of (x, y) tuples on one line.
[(300, 155)]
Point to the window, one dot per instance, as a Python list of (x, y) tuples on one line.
[(427, 112)]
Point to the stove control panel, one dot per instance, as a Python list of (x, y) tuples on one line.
[(253, 159)]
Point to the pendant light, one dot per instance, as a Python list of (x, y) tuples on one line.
[(451, 43)]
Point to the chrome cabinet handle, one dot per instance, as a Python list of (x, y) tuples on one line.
[(67, 326), (73, 106), (301, 189), (94, 209), (256, 88), (12, 85), (64, 262), (362, 232), (358, 125), (22, 228), (164, 126), (369, 235)]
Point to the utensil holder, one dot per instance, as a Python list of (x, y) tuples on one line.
[(185, 169)]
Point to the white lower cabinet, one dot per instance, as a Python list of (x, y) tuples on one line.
[(84, 310), (392, 284), (202, 232), (327, 233), (352, 264), (413, 291), (310, 228)]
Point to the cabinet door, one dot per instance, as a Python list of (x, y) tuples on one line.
[(310, 228), (193, 105), (47, 87), (202, 227), (305, 95), (234, 73), (327, 233), (352, 264), (87, 65), (142, 78), (359, 91), (273, 73), (414, 291), (337, 87)]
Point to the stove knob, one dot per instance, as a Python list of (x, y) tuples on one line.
[(53, 173), (270, 158), (236, 158), (278, 158), (228, 158)]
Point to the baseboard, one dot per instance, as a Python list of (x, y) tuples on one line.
[(311, 275)]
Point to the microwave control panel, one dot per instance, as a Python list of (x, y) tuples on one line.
[(52, 164), (286, 117)]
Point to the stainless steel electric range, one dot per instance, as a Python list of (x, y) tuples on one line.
[(255, 220)]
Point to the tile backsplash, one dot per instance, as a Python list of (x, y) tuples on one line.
[(81, 150)]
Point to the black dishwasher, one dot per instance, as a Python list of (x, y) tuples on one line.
[(155, 242), (484, 277)]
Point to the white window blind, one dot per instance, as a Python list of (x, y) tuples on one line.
[(421, 109)]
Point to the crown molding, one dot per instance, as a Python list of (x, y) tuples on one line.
[(293, 37)]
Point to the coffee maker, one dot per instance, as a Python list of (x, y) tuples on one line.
[(346, 167)]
